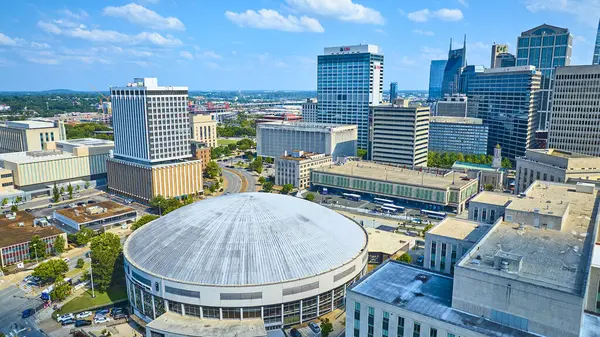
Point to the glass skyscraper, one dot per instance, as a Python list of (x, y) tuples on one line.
[(545, 47), (506, 99), (436, 77), (467, 74), (349, 79), (597, 49), (393, 91), (457, 61)]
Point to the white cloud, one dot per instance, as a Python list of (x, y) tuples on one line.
[(429, 53), (212, 54), (77, 16), (186, 55), (407, 61), (40, 45), (586, 11), (67, 23), (280, 64), (234, 53), (271, 19), (464, 3), (212, 65), (423, 32), (91, 59), (144, 17), (7, 41), (43, 60), (344, 10), (380, 31), (444, 14), (49, 27), (111, 36), (154, 2), (140, 53), (141, 63), (479, 45)]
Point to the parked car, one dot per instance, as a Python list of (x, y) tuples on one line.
[(101, 319), (50, 206), (79, 323), (83, 314), (27, 313), (28, 210), (420, 260), (116, 310), (295, 333), (81, 204), (68, 322), (91, 201), (314, 327), (66, 259), (65, 317), (102, 312), (119, 315)]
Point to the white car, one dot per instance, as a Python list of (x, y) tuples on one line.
[(101, 319), (65, 317), (84, 314), (66, 259)]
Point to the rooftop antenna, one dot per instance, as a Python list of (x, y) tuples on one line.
[(450, 44)]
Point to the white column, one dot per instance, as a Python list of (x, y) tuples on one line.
[(182, 309), (153, 308), (282, 315), (300, 311), (201, 313), (332, 299), (241, 314), (317, 305), (221, 313)]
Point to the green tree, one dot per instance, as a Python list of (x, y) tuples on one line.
[(143, 220), (80, 263), (18, 199), (212, 188), (309, 197), (256, 165), (105, 252), (70, 190), (55, 194), (37, 246), (77, 188), (506, 163), (61, 290), (62, 190), (4, 201), (86, 185), (287, 188), (14, 208), (267, 186), (362, 154), (406, 258), (212, 169), (50, 270), (171, 205), (245, 144), (83, 236), (189, 199), (59, 244), (262, 180), (158, 203), (488, 187), (427, 228), (326, 327)]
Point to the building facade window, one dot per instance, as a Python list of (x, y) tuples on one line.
[(400, 329), (416, 329), (385, 324), (371, 322), (356, 319), (433, 332)]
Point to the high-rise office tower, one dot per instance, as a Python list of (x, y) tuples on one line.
[(452, 106), (506, 100), (467, 74), (575, 125), (152, 138), (596, 59), (505, 60), (393, 91), (309, 110), (436, 77), (497, 49), (457, 61), (545, 47), (349, 80)]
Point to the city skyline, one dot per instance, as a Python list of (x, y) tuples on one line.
[(259, 45)]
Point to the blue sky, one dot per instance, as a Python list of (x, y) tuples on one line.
[(258, 44)]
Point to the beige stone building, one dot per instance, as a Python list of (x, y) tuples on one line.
[(555, 166), (204, 129), (6, 180), (295, 168), (29, 135), (200, 152), (143, 182)]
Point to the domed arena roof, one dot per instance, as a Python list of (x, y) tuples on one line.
[(245, 239)]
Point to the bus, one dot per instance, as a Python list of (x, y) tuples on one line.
[(433, 214), (382, 201), (398, 208), (388, 210), (350, 196)]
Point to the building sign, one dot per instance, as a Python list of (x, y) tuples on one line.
[(344, 48), (501, 48)]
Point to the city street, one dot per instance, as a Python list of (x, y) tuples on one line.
[(13, 300), (234, 183)]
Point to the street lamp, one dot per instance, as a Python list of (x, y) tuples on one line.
[(35, 251), (92, 276)]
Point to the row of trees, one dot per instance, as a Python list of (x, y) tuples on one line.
[(86, 130), (164, 206), (447, 159), (143, 220), (53, 271), (38, 249), (227, 150), (56, 192)]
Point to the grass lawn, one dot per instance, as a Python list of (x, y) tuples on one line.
[(223, 141), (85, 300), (76, 271)]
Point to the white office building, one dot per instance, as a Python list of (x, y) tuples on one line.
[(349, 80), (276, 138), (295, 168), (452, 106), (151, 122), (309, 110), (575, 125)]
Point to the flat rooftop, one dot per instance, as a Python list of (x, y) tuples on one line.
[(370, 170), (493, 198), (79, 214), (387, 242), (456, 120), (543, 206), (35, 156), (28, 124), (459, 166), (561, 153), (322, 127), (304, 156), (12, 234), (460, 229), (88, 142), (426, 293), (195, 326)]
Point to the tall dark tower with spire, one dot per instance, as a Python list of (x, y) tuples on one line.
[(457, 61)]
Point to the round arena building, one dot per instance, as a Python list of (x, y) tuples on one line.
[(264, 256)]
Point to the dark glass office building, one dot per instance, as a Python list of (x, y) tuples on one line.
[(597, 49), (545, 47), (436, 77), (458, 134), (457, 61), (506, 99)]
